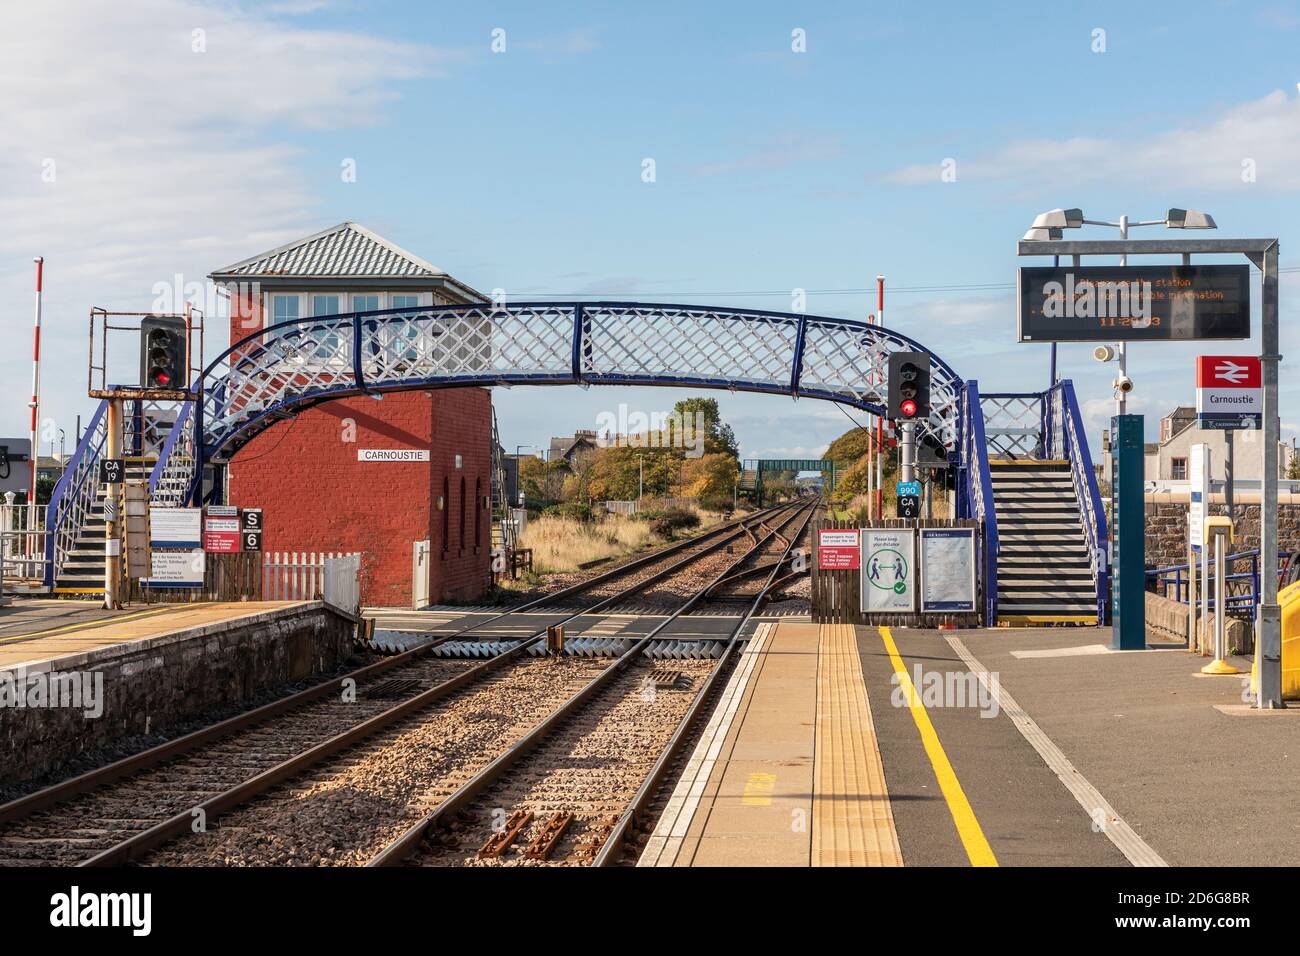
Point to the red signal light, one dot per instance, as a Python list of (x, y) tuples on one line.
[(908, 408)]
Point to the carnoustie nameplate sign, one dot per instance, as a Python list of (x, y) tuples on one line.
[(1133, 303)]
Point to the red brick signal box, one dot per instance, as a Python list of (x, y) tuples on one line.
[(374, 475)]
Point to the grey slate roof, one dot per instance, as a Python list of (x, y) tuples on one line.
[(348, 250)]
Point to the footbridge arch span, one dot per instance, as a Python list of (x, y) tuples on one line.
[(279, 371)]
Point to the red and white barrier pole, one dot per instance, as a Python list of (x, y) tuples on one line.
[(36, 405), (880, 421)]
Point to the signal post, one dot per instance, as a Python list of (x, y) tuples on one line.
[(167, 363)]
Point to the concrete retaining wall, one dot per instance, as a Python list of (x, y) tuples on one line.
[(148, 686), (1167, 619)]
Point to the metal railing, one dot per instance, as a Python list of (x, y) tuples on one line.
[(267, 375), (173, 473), (1243, 586), (1069, 441), (22, 555), (74, 495), (979, 494), (148, 430), (1013, 424)]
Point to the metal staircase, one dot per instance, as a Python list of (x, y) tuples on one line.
[(1027, 473), (74, 550), (82, 568), (1044, 574)]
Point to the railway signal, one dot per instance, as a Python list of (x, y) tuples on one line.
[(162, 352), (909, 386)]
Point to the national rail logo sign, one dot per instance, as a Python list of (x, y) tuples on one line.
[(1133, 303), (1229, 391)]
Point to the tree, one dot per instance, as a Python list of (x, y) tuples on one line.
[(539, 480), (718, 436), (615, 471), (709, 477), (1293, 466), (853, 446)]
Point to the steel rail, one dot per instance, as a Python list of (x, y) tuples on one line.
[(406, 844), (153, 837), (614, 842), (65, 790)]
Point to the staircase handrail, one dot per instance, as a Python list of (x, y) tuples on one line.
[(74, 494), (980, 491), (1087, 492)]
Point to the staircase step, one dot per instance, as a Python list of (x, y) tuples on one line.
[(1049, 593), (1041, 575), (1044, 606)]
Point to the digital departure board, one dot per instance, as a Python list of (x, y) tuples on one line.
[(1133, 303)]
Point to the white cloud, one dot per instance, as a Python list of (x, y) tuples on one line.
[(784, 151), (165, 160), (1205, 155)]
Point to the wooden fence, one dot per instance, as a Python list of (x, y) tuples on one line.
[(837, 595)]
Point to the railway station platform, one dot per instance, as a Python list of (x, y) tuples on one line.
[(866, 746), (32, 631), (76, 680)]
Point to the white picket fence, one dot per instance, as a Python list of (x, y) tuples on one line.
[(301, 576)]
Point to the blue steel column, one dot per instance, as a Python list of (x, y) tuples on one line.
[(579, 337), (199, 447), (357, 374), (797, 368)]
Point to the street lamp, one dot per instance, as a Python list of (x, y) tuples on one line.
[(1049, 225)]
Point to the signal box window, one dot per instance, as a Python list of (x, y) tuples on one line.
[(327, 340), (407, 345)]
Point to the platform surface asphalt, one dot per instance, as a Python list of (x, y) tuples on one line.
[(1201, 786), (1080, 756)]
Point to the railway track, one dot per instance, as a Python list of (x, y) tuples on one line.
[(123, 810), (571, 790)]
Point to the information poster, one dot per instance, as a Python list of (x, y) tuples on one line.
[(947, 569), (888, 570), (176, 569), (175, 527)]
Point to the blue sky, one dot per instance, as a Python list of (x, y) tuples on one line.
[(775, 169)]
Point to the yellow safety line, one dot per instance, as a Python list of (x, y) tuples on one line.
[(968, 827), (86, 625)]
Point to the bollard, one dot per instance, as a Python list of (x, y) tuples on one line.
[(555, 639), (1220, 528)]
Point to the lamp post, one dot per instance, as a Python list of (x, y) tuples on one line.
[(1050, 225)]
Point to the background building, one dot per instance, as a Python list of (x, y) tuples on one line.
[(306, 473), (1167, 459)]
